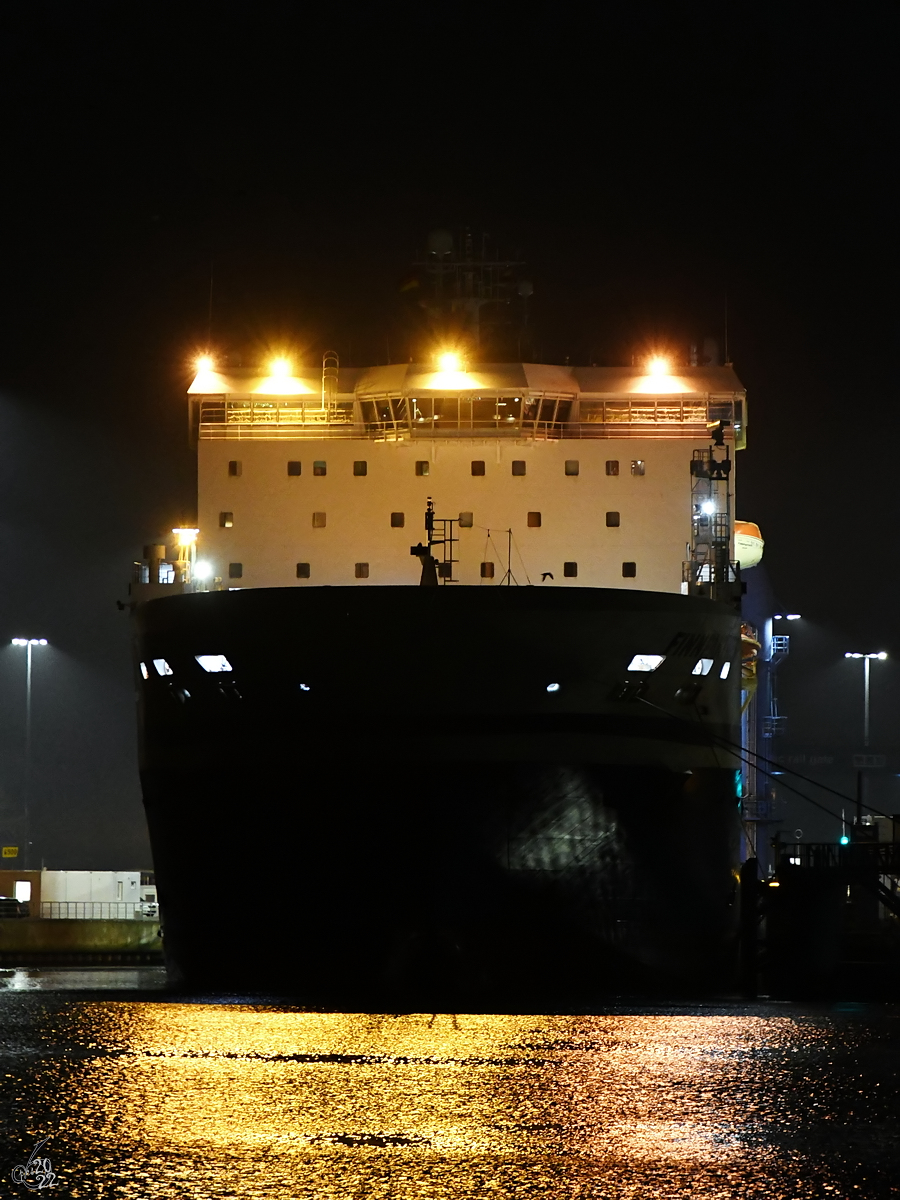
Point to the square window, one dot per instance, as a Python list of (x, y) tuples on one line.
[(518, 467), (320, 467), (612, 466), (293, 468), (423, 467), (612, 520), (235, 570), (629, 570), (572, 466), (226, 520), (318, 520), (359, 468), (362, 570), (534, 520), (487, 570), (466, 520), (570, 570), (637, 466), (234, 467), (477, 466), (398, 520), (303, 570)]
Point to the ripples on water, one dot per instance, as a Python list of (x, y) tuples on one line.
[(143, 1096)]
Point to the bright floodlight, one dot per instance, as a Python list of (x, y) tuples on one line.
[(708, 507), (213, 662), (552, 687), (646, 662), (449, 362), (280, 367), (882, 654), (186, 537), (205, 363), (793, 616), (29, 641), (658, 366), (203, 570)]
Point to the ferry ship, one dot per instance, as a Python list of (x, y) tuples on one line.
[(445, 684)]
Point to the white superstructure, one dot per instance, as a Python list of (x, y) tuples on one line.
[(311, 478)]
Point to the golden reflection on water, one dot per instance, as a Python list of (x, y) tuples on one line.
[(191, 1100)]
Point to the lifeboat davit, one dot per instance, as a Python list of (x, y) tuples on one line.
[(748, 544)]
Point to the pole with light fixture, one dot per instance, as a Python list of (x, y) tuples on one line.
[(881, 655), (28, 643)]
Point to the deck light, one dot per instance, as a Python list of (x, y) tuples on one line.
[(792, 616), (708, 507), (552, 687), (205, 363), (280, 368), (203, 570), (449, 362), (658, 366), (186, 537)]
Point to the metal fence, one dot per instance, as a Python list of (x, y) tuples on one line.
[(98, 910)]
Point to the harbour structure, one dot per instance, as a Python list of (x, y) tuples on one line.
[(509, 787)]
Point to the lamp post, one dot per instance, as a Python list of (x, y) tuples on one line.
[(29, 644), (881, 655)]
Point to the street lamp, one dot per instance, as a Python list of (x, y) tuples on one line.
[(28, 643), (881, 655)]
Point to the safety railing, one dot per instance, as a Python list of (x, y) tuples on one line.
[(98, 910)]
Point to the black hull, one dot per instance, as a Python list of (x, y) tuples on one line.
[(422, 825)]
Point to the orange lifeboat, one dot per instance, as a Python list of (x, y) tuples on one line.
[(748, 544)]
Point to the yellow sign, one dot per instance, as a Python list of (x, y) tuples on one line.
[(10, 851)]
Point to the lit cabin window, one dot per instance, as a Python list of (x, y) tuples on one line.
[(518, 467), (612, 466), (423, 467), (646, 662), (398, 520), (570, 570), (303, 570), (629, 570), (572, 466), (144, 671), (162, 667), (235, 570), (226, 520), (360, 467), (637, 466), (477, 466), (234, 467), (362, 570), (293, 468), (534, 520), (726, 667), (702, 666), (320, 467), (214, 663), (318, 520), (613, 520), (466, 520), (487, 570)]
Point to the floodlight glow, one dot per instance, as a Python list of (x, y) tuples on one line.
[(552, 687), (162, 667), (280, 368), (658, 366), (703, 666), (20, 641), (881, 653), (144, 671), (449, 362), (726, 667), (186, 537), (793, 616), (708, 506), (213, 662), (646, 662), (205, 363), (203, 570)]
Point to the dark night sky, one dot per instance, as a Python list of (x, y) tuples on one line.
[(645, 162)]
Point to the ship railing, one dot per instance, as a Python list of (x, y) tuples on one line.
[(98, 910), (282, 430)]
